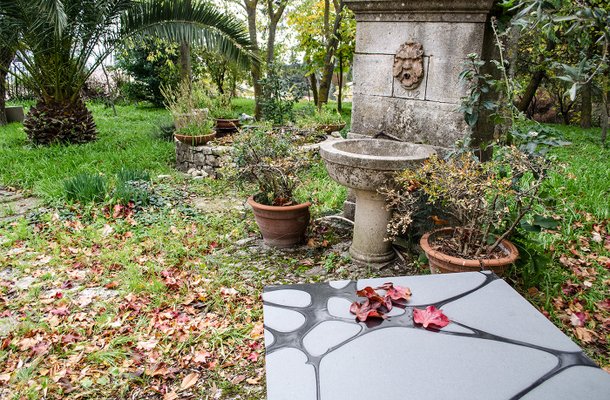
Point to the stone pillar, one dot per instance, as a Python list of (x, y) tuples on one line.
[(408, 57)]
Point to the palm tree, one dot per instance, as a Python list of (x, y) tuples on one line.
[(61, 43)]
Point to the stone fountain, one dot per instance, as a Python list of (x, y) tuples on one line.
[(408, 57), (365, 165)]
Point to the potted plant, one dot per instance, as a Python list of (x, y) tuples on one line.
[(482, 204), (269, 160), (323, 120), (183, 103), (224, 114), (195, 133)]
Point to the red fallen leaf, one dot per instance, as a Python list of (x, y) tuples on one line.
[(62, 311), (252, 357), (374, 298), (396, 292), (578, 319), (111, 285), (366, 310), (430, 317), (58, 295)]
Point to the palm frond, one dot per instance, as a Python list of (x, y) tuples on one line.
[(199, 23)]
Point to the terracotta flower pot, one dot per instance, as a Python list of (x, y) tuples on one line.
[(195, 140), (225, 127), (281, 226), (443, 263)]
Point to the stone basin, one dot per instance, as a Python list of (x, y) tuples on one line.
[(366, 165)]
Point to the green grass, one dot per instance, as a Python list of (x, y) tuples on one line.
[(585, 182), (124, 142)]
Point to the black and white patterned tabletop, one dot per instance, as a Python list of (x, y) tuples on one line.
[(497, 345)]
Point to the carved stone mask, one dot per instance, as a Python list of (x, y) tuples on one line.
[(409, 65)]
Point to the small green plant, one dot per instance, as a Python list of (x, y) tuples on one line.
[(86, 188), (197, 128), (221, 108), (129, 175), (164, 131), (132, 185)]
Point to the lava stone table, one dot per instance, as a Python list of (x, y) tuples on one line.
[(497, 345)]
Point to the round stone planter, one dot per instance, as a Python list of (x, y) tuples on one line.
[(195, 140), (281, 226), (443, 263)]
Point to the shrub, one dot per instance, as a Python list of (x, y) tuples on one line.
[(279, 97), (86, 187)]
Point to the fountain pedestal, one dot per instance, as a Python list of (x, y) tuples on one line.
[(366, 165), (370, 223)]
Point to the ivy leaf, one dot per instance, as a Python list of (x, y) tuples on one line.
[(430, 317)]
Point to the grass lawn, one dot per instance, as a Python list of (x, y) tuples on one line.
[(163, 302)]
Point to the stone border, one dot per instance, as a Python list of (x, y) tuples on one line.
[(201, 161)]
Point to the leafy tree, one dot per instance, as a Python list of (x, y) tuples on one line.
[(61, 43), (326, 34), (151, 62), (580, 27)]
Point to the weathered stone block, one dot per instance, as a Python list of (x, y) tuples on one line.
[(444, 85), (439, 39), (436, 124), (373, 74)]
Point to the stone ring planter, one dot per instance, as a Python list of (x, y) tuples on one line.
[(195, 140), (443, 263), (281, 226)]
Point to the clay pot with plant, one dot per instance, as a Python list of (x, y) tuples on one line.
[(225, 116), (195, 133), (481, 204), (184, 103), (269, 160)]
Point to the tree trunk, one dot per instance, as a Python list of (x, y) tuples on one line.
[(585, 106), (340, 82), (186, 71), (329, 58), (313, 83), (530, 90), (605, 118), (274, 20), (537, 78), (6, 57), (255, 69)]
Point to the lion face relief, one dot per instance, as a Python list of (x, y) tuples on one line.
[(409, 65)]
